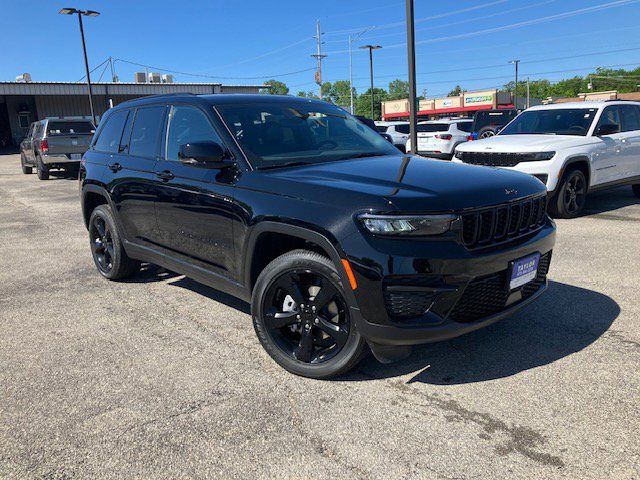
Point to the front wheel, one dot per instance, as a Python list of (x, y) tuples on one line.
[(636, 190), (302, 319), (571, 195), (26, 169)]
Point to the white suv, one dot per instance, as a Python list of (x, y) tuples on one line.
[(439, 138), (573, 148), (399, 132)]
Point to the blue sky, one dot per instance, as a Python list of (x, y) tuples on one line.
[(467, 42)]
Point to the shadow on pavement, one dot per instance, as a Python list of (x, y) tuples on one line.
[(610, 200), (565, 320), (216, 295)]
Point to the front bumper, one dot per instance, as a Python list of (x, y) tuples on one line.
[(449, 274)]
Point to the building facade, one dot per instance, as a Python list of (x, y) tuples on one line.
[(22, 103)]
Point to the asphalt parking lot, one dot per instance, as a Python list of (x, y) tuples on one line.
[(162, 377)]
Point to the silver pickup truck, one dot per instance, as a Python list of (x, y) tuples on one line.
[(55, 143)]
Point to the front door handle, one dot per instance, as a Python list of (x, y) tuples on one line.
[(115, 167), (165, 175)]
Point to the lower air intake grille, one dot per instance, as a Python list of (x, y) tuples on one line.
[(488, 295)]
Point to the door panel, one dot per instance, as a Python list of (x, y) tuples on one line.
[(608, 159), (195, 203)]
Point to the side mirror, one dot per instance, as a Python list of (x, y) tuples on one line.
[(205, 154), (607, 129)]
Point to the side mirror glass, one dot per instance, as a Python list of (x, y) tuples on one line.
[(205, 154), (607, 129)]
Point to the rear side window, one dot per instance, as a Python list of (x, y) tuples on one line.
[(402, 128), (145, 134), (630, 118), (69, 128), (109, 137), (381, 128)]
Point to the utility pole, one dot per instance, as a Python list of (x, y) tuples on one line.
[(528, 94), (371, 48), (411, 54), (319, 56), (515, 90), (350, 78)]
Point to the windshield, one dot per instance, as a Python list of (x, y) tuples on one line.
[(279, 134), (432, 127), (569, 121), (68, 128), (492, 119)]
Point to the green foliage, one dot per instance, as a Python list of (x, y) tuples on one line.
[(398, 89), (455, 92), (277, 87), (338, 93), (308, 94), (363, 103)]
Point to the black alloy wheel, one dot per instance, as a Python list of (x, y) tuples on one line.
[(306, 316), (302, 318), (574, 193), (102, 245)]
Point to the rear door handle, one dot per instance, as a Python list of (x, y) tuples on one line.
[(115, 167), (165, 175)]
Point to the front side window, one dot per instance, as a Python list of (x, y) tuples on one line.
[(610, 116), (109, 137), (283, 133), (146, 131), (188, 125), (556, 121)]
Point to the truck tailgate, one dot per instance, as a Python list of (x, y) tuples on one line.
[(68, 144)]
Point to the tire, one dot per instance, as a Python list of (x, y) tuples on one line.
[(26, 169), (636, 190), (486, 132), (571, 195), (295, 334), (106, 246), (41, 169)]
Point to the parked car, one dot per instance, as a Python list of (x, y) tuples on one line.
[(439, 138), (398, 131), (336, 239), (55, 143), (372, 125), (573, 148), (487, 123)]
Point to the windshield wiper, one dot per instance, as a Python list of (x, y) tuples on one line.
[(366, 154), (286, 164)]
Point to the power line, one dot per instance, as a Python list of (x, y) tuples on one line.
[(200, 75)]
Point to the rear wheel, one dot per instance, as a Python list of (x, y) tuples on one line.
[(571, 195), (486, 132), (106, 246), (41, 169), (636, 190), (26, 169), (301, 316)]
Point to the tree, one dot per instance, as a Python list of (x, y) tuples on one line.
[(398, 89), (338, 93), (277, 87), (363, 103), (308, 94), (455, 92)]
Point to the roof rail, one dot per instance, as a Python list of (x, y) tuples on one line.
[(159, 95)]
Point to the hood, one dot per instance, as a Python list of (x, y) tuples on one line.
[(402, 182), (524, 143)]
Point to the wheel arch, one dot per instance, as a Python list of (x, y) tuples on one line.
[(92, 196), (315, 241), (578, 161)]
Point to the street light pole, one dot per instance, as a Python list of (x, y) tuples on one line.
[(371, 49), (515, 90), (350, 78), (411, 53), (80, 13)]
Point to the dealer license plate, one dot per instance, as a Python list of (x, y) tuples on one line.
[(524, 270)]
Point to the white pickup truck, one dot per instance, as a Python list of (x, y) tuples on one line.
[(573, 148)]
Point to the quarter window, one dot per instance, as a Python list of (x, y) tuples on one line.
[(188, 125), (403, 128), (145, 134), (109, 137)]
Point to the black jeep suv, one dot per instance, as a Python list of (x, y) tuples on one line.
[(337, 239)]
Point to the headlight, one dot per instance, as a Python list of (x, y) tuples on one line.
[(407, 224), (537, 156)]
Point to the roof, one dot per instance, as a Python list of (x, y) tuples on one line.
[(587, 104), (446, 120), (391, 122), (119, 88)]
